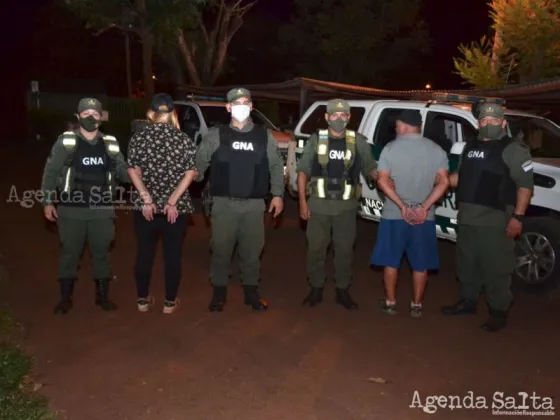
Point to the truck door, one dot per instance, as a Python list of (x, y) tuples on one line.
[(383, 133)]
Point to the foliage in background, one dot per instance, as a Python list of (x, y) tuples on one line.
[(531, 30), (18, 397), (355, 41), (191, 37), (476, 66), (525, 47), (205, 45), (150, 20)]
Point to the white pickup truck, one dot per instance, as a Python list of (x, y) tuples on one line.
[(450, 123)]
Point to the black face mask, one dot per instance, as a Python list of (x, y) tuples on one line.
[(89, 124), (338, 125)]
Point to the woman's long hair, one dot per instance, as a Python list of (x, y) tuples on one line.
[(163, 116)]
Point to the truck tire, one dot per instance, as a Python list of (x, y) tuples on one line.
[(537, 251)]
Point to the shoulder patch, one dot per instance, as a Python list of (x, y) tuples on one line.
[(527, 165)]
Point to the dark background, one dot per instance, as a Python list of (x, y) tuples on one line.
[(26, 30)]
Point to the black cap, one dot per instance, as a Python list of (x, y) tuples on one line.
[(411, 117), (162, 102)]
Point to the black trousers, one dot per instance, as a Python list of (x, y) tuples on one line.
[(147, 234)]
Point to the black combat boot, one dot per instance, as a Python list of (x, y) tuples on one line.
[(66, 292), (496, 321), (343, 298), (463, 307), (253, 298), (314, 297), (218, 299), (102, 295)]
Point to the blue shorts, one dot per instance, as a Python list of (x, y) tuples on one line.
[(396, 238)]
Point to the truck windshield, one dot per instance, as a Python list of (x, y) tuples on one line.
[(316, 119), (541, 135)]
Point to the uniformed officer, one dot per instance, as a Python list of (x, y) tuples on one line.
[(83, 168), (244, 161), (494, 189), (329, 190)]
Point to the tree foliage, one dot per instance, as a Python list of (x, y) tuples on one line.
[(204, 48), (525, 47), (477, 65), (191, 36), (151, 20), (531, 30), (355, 41)]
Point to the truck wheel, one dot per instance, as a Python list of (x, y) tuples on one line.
[(537, 268)]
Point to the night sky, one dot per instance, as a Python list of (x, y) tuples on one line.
[(450, 23)]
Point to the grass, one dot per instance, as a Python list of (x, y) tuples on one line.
[(19, 399)]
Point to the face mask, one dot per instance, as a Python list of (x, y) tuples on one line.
[(338, 125), (89, 123), (490, 131), (240, 112)]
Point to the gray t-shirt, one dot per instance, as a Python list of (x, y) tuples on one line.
[(413, 162)]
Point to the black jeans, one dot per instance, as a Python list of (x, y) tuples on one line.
[(147, 234)]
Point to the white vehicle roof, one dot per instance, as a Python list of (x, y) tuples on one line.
[(422, 104)]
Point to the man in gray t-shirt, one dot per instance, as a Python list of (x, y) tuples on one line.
[(413, 174)]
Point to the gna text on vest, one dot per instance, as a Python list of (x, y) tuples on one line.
[(242, 145)]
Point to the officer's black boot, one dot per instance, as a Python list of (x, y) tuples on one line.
[(314, 297), (253, 298), (102, 295), (343, 298), (218, 299), (496, 321), (463, 307), (66, 291)]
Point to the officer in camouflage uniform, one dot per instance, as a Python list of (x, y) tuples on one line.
[(244, 160), (494, 188), (83, 168), (329, 191)]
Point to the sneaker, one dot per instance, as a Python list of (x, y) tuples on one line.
[(416, 311), (170, 307), (144, 304), (389, 309)]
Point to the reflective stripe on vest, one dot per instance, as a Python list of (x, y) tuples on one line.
[(70, 141), (323, 157)]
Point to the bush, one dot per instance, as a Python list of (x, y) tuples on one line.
[(18, 397)]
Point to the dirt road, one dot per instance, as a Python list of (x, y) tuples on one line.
[(291, 363)]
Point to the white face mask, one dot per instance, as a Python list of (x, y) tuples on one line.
[(240, 112)]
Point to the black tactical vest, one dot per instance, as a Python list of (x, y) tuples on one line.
[(338, 172), (239, 167), (89, 169), (484, 177)]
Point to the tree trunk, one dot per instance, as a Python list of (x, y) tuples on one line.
[(537, 64), (175, 67), (496, 47), (147, 40), (188, 58), (147, 67)]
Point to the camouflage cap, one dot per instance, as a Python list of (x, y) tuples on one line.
[(338, 105), (89, 103), (490, 110), (237, 93)]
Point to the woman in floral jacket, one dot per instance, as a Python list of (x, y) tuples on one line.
[(161, 167)]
